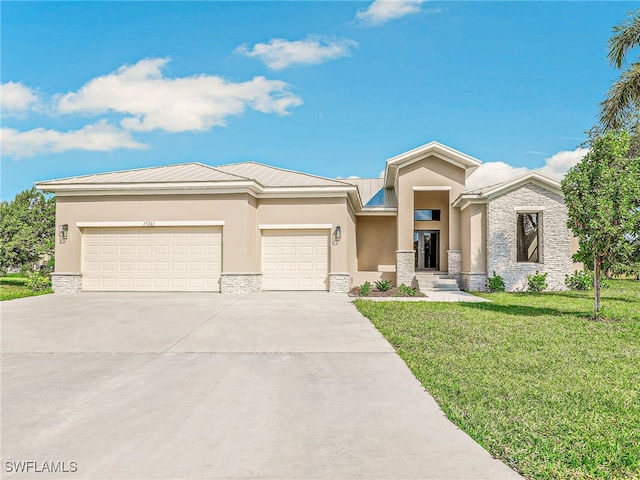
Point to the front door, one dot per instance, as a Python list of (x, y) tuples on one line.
[(426, 245)]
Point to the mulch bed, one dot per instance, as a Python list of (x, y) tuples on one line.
[(393, 292)]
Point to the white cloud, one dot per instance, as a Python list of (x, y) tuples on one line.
[(382, 11), (493, 172), (555, 167), (194, 103), (279, 53), (97, 137), (15, 97)]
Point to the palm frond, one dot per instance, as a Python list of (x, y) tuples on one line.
[(626, 36), (623, 99)]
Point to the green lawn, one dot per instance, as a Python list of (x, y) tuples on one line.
[(12, 287), (530, 377)]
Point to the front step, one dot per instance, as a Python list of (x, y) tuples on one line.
[(436, 282)]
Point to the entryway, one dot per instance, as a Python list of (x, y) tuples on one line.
[(426, 244)]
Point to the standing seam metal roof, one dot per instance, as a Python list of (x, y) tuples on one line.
[(187, 172), (277, 177)]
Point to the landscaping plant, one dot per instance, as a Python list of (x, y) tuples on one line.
[(495, 283), (383, 285), (580, 280), (537, 282), (365, 289), (36, 282), (406, 291)]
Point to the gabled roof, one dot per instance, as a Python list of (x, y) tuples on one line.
[(448, 154), (481, 195), (277, 177), (186, 172)]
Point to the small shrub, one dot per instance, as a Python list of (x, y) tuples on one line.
[(383, 285), (579, 280), (38, 283), (495, 283), (406, 291), (26, 270), (537, 282), (365, 289)]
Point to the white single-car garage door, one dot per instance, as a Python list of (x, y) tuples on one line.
[(295, 260), (152, 258)]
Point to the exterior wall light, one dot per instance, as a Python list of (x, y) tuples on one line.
[(64, 231), (337, 234)]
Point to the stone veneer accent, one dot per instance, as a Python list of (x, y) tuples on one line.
[(476, 282), (338, 283), (405, 267), (240, 283), (555, 248), (66, 282), (454, 260)]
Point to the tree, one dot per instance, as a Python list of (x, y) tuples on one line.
[(620, 107), (602, 194), (27, 229)]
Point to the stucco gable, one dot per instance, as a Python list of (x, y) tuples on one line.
[(435, 149)]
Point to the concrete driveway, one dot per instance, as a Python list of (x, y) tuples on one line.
[(168, 386)]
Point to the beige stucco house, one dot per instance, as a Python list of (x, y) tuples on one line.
[(248, 227)]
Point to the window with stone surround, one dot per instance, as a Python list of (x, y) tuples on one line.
[(528, 234)]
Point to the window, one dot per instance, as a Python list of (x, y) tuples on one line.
[(529, 237), (426, 215)]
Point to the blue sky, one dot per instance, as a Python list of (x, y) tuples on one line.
[(330, 88)]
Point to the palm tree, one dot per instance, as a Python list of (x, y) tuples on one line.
[(623, 98)]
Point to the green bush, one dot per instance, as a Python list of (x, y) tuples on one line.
[(537, 282), (38, 283), (495, 283), (406, 291), (383, 285), (365, 289), (579, 280)]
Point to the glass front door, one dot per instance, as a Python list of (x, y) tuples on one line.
[(426, 246)]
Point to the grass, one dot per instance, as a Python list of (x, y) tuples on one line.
[(530, 377), (12, 286)]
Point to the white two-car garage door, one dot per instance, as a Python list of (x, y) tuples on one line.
[(295, 260), (152, 258)]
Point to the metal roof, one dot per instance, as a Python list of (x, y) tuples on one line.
[(367, 187), (277, 177), (186, 172), (372, 193)]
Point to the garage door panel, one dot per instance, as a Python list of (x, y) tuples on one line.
[(152, 258), (295, 260)]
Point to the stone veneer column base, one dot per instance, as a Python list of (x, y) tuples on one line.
[(454, 260), (240, 283), (405, 267), (476, 282), (338, 283), (66, 282)]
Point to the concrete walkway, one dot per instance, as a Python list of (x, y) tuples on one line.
[(168, 386), (431, 296)]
